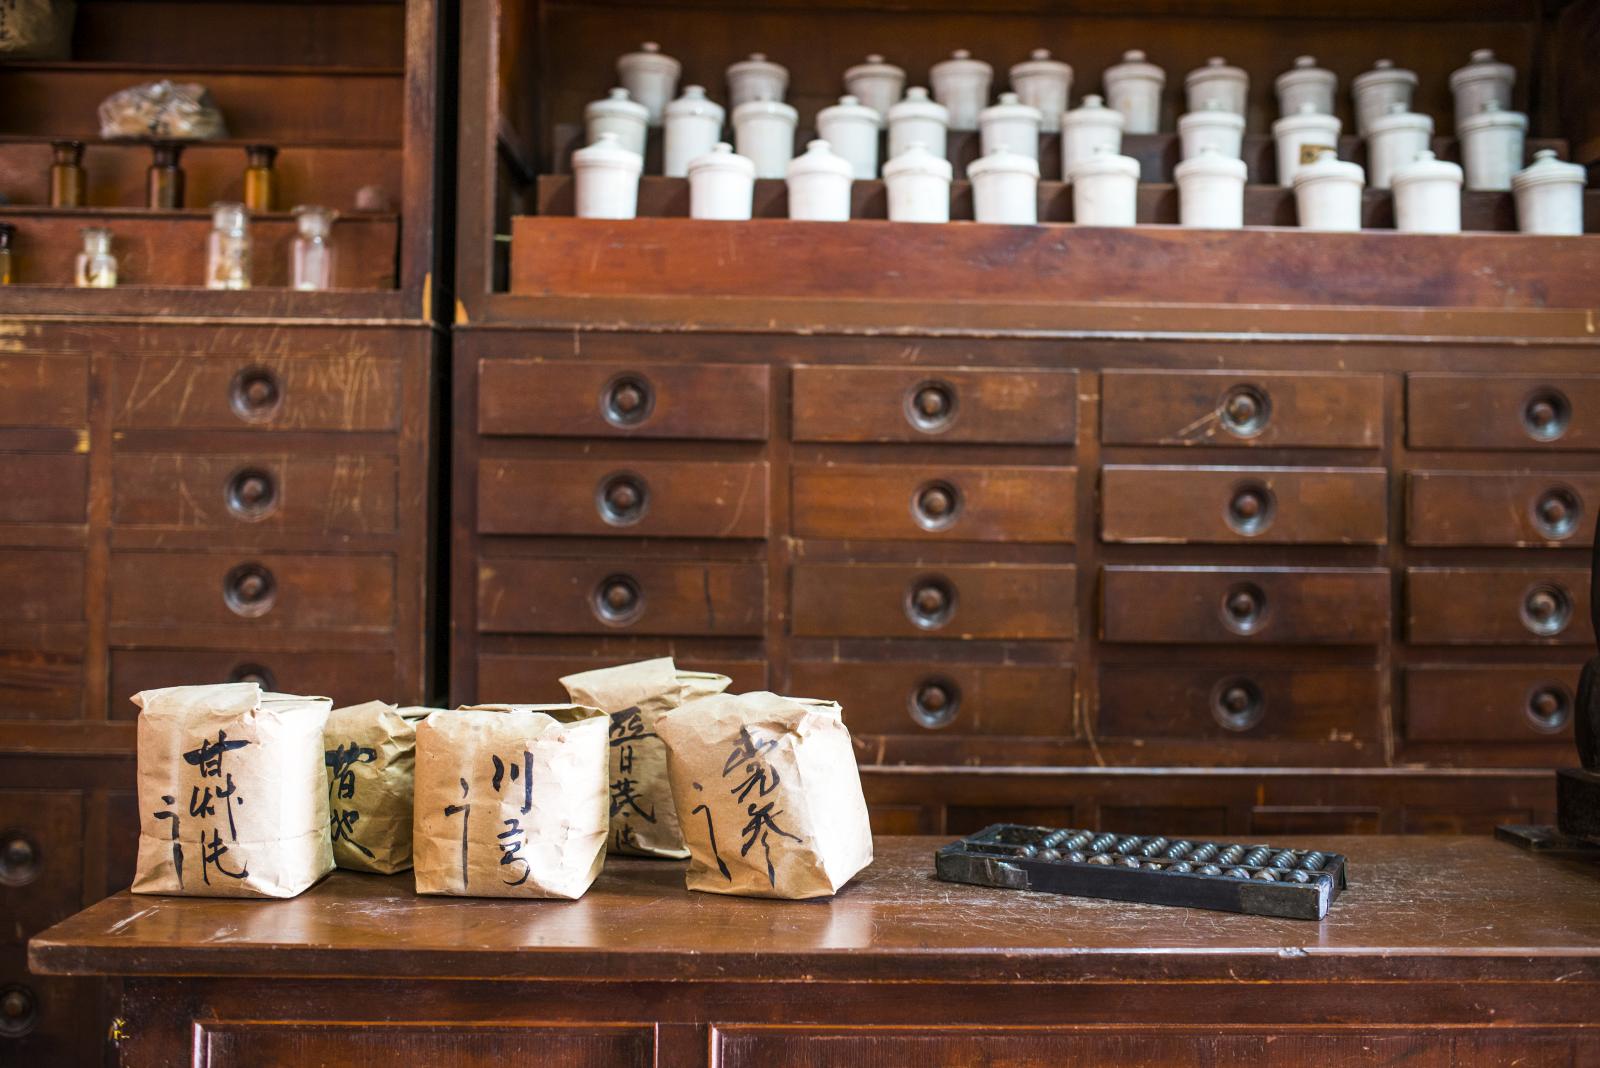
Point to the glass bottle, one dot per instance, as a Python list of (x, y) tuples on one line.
[(312, 265), (228, 251), (67, 180), (97, 267), (260, 182), (164, 181), (7, 232)]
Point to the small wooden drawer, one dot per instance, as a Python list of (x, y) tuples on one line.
[(41, 586), (518, 678), (675, 499), (202, 392), (41, 390), (1466, 411), (332, 494), (275, 590), (943, 404), (1279, 505), (41, 836), (1513, 703), (346, 677), (1254, 408), (43, 487), (952, 503), (1239, 702), (1270, 605), (1496, 508), (589, 596), (570, 398), (993, 700), (41, 684), (995, 601), (1498, 606)]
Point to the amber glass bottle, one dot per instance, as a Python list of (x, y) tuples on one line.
[(67, 180), (260, 181), (164, 183)]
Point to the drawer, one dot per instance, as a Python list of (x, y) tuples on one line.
[(349, 678), (1515, 703), (43, 487), (681, 499), (270, 393), (275, 590), (41, 840), (517, 678), (1498, 606), (41, 684), (1496, 508), (1462, 411), (41, 586), (564, 399), (328, 494), (1270, 605), (1233, 408), (994, 700), (951, 503), (1279, 505), (39, 390), (590, 596), (945, 404), (954, 601), (1235, 701)]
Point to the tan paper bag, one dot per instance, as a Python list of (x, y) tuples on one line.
[(769, 795), (511, 801), (370, 755), (233, 801), (643, 819)]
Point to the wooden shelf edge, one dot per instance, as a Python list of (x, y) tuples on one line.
[(191, 302)]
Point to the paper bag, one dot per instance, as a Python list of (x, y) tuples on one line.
[(769, 795), (511, 801), (370, 754), (643, 819), (233, 801)]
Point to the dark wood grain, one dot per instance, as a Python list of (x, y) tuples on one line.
[(1300, 506), (1467, 703), (1337, 707), (523, 679), (869, 501), (990, 601), (675, 597), (665, 499), (874, 404), (1010, 700), (560, 399), (43, 487), (346, 677), (44, 390), (1339, 606), (1303, 410), (1476, 411), (1494, 606), (189, 590), (358, 390), (42, 586)]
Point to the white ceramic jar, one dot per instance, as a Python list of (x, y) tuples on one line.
[(919, 186), (1378, 90), (1011, 125), (650, 77), (694, 126), (1005, 188), (616, 114), (1395, 139), (961, 84), (1327, 194), (1105, 190), (851, 129), (876, 84), (1214, 128), (722, 185), (1227, 85), (1044, 83), (917, 120), (1302, 138), (1549, 195), (764, 132), (1133, 87), (1306, 82), (756, 78), (1427, 196), (1484, 80), (607, 179), (1492, 146), (1088, 129), (1211, 190), (819, 185)]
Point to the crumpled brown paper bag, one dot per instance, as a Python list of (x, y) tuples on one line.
[(370, 755), (643, 820), (511, 801), (769, 794), (233, 801)]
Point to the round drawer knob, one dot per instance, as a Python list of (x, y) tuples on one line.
[(1238, 704), (19, 860), (1245, 411), (19, 1011), (1549, 707), (930, 405), (255, 393), (618, 599), (935, 505), (934, 702), (255, 673), (249, 590), (627, 400), (1244, 608), (1546, 610), (930, 603), (1250, 509), (621, 499), (1556, 512), (251, 493), (1546, 414)]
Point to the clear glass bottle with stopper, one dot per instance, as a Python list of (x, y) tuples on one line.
[(228, 251), (97, 267), (311, 266)]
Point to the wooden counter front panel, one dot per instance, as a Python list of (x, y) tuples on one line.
[(1498, 606), (994, 601), (712, 401), (1272, 409), (946, 697), (970, 405), (673, 499), (1310, 606), (655, 597), (1481, 411), (1494, 508), (897, 501), (1270, 505)]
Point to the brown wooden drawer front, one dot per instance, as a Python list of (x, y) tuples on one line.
[(950, 503), (41, 586), (37, 390), (993, 700), (1463, 411), (518, 679), (340, 494), (1261, 408), (43, 487), (1495, 508), (1520, 703), (274, 590), (944, 404), (269, 393), (347, 677), (682, 499), (564, 399), (239, 1043), (588, 596), (1311, 606), (1279, 505), (1494, 606), (40, 684), (41, 833), (953, 601), (1238, 702)]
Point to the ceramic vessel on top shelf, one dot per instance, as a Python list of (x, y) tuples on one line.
[(1087, 129), (1217, 80), (617, 114), (1105, 190), (876, 84), (607, 178), (1492, 146), (1327, 194), (1011, 124), (650, 77), (1394, 139), (1044, 83), (1213, 127), (961, 84), (1306, 82), (693, 128), (1133, 87), (1005, 187), (1549, 195), (819, 184), (1427, 196), (756, 78), (1211, 190), (1484, 80), (1378, 90), (764, 133), (1301, 138), (919, 186), (918, 120), (721, 184), (851, 130)]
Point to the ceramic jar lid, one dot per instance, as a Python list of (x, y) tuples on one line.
[(961, 63), (916, 159), (1093, 112), (1213, 114), (1491, 115), (695, 102), (1547, 169), (1010, 107), (1039, 63), (758, 64), (1384, 72), (1399, 118), (1216, 69), (1103, 161), (1426, 168), (618, 104), (820, 158), (919, 105), (752, 108), (1210, 162), (1309, 120), (649, 59), (1002, 161), (848, 107), (1305, 72), (874, 67), (607, 151), (722, 157), (1134, 65), (1484, 67), (1329, 168)]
